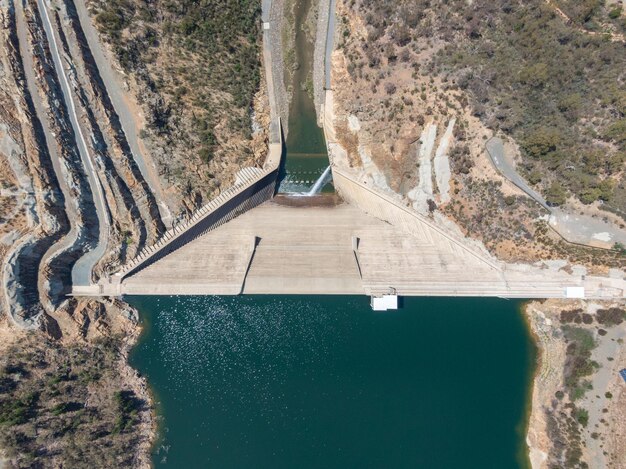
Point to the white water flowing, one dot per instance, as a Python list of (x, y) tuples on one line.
[(321, 182)]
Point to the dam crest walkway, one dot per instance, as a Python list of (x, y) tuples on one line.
[(326, 245)]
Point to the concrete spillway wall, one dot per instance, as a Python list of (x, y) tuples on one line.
[(384, 208), (207, 219)]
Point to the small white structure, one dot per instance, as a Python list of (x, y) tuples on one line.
[(574, 292), (266, 25), (384, 303)]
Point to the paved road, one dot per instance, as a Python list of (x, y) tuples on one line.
[(581, 229), (31, 82), (81, 272), (122, 109), (506, 167), (330, 43)]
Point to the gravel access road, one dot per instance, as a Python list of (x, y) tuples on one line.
[(580, 229)]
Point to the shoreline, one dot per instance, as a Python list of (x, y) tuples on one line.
[(150, 394), (140, 385), (92, 343), (533, 456), (577, 410)]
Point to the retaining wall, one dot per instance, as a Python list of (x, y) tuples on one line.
[(216, 213), (385, 208)]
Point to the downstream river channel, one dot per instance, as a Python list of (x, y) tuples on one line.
[(306, 161), (325, 382)]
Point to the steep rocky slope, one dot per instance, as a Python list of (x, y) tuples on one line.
[(206, 112), (429, 80), (68, 397), (49, 195), (81, 194)]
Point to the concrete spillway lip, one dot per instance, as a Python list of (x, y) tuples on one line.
[(318, 200)]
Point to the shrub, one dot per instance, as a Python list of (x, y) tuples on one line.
[(556, 194), (611, 316), (578, 363), (541, 141), (615, 12), (582, 416), (390, 88)]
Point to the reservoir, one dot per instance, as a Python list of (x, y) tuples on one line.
[(325, 382)]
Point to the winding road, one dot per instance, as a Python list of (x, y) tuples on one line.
[(82, 270), (31, 82), (111, 80), (575, 228)]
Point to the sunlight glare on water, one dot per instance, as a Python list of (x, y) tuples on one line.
[(323, 381)]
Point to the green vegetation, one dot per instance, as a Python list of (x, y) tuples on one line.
[(62, 406), (566, 419), (19, 410), (127, 237), (128, 407), (198, 64), (594, 15), (552, 86), (578, 365), (582, 416)]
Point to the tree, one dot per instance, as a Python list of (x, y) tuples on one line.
[(556, 195), (541, 142), (390, 88), (534, 75)]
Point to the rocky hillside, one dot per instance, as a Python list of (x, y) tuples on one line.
[(194, 67), (102, 148), (550, 87), (67, 396)]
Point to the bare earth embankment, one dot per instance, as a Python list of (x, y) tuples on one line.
[(405, 73)]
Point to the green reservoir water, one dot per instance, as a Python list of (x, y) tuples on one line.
[(324, 382), (307, 158)]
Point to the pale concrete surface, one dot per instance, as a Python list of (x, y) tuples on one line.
[(441, 163), (304, 249), (309, 250), (404, 219), (583, 229), (215, 263), (300, 250), (247, 177)]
